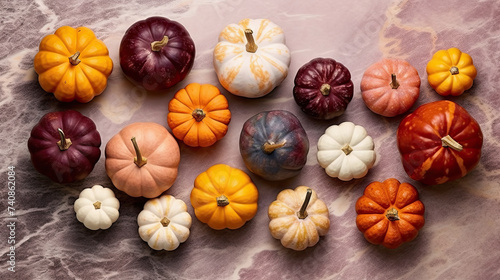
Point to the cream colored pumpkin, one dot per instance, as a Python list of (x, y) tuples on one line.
[(164, 223), (251, 57), (97, 207), (298, 218), (346, 151)]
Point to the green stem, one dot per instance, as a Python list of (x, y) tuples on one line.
[(139, 160)]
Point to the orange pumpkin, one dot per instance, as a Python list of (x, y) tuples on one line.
[(142, 159), (199, 115), (73, 64), (224, 197), (390, 213)]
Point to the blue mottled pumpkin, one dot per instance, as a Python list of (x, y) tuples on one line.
[(274, 145)]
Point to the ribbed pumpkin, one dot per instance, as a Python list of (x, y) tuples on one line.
[(224, 197), (73, 64), (199, 115), (390, 213)]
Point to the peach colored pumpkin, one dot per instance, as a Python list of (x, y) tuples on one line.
[(390, 87), (142, 159)]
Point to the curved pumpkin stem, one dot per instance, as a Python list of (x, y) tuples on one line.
[(392, 214), (64, 143), (250, 46), (269, 147), (139, 160), (156, 46), (325, 89), (302, 214), (394, 82), (454, 70), (447, 141), (198, 114), (74, 60)]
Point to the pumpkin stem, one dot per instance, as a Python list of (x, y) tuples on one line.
[(325, 89), (157, 45), (454, 70), (97, 205), (302, 214), (74, 60), (250, 46), (392, 214), (139, 160), (165, 222), (198, 114), (222, 200), (394, 82), (347, 149), (64, 143), (269, 147), (447, 141)]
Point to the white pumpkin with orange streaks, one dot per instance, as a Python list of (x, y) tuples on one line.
[(298, 218), (251, 57)]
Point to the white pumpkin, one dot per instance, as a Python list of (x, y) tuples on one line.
[(298, 218), (251, 57), (346, 151), (164, 223), (97, 207)]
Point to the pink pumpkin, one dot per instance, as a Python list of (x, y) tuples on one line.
[(390, 87)]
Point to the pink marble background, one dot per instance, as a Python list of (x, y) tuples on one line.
[(459, 241)]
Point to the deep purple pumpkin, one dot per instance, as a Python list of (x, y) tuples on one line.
[(274, 145), (64, 146), (156, 53), (323, 88)]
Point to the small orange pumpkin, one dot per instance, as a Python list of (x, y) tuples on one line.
[(224, 197), (390, 213), (73, 64), (142, 159), (199, 115)]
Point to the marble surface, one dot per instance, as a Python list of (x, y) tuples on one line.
[(459, 241)]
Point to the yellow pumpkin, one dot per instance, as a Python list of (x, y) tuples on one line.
[(251, 57), (224, 197), (298, 218), (451, 72), (73, 64), (199, 115)]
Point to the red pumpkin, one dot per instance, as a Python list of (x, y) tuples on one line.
[(323, 88), (156, 53), (64, 146), (439, 142), (390, 87)]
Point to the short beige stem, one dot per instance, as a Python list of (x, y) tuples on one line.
[(97, 205), (139, 160), (64, 143), (325, 89), (347, 149), (198, 114), (454, 70), (165, 222), (447, 141), (156, 46), (394, 82), (74, 60), (302, 214), (392, 214), (222, 200), (269, 147), (250, 46)]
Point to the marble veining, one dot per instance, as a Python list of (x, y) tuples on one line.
[(460, 238)]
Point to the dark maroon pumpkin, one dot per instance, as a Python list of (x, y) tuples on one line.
[(274, 145), (64, 146), (323, 88), (156, 53)]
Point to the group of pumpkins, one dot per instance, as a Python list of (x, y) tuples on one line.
[(438, 142)]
